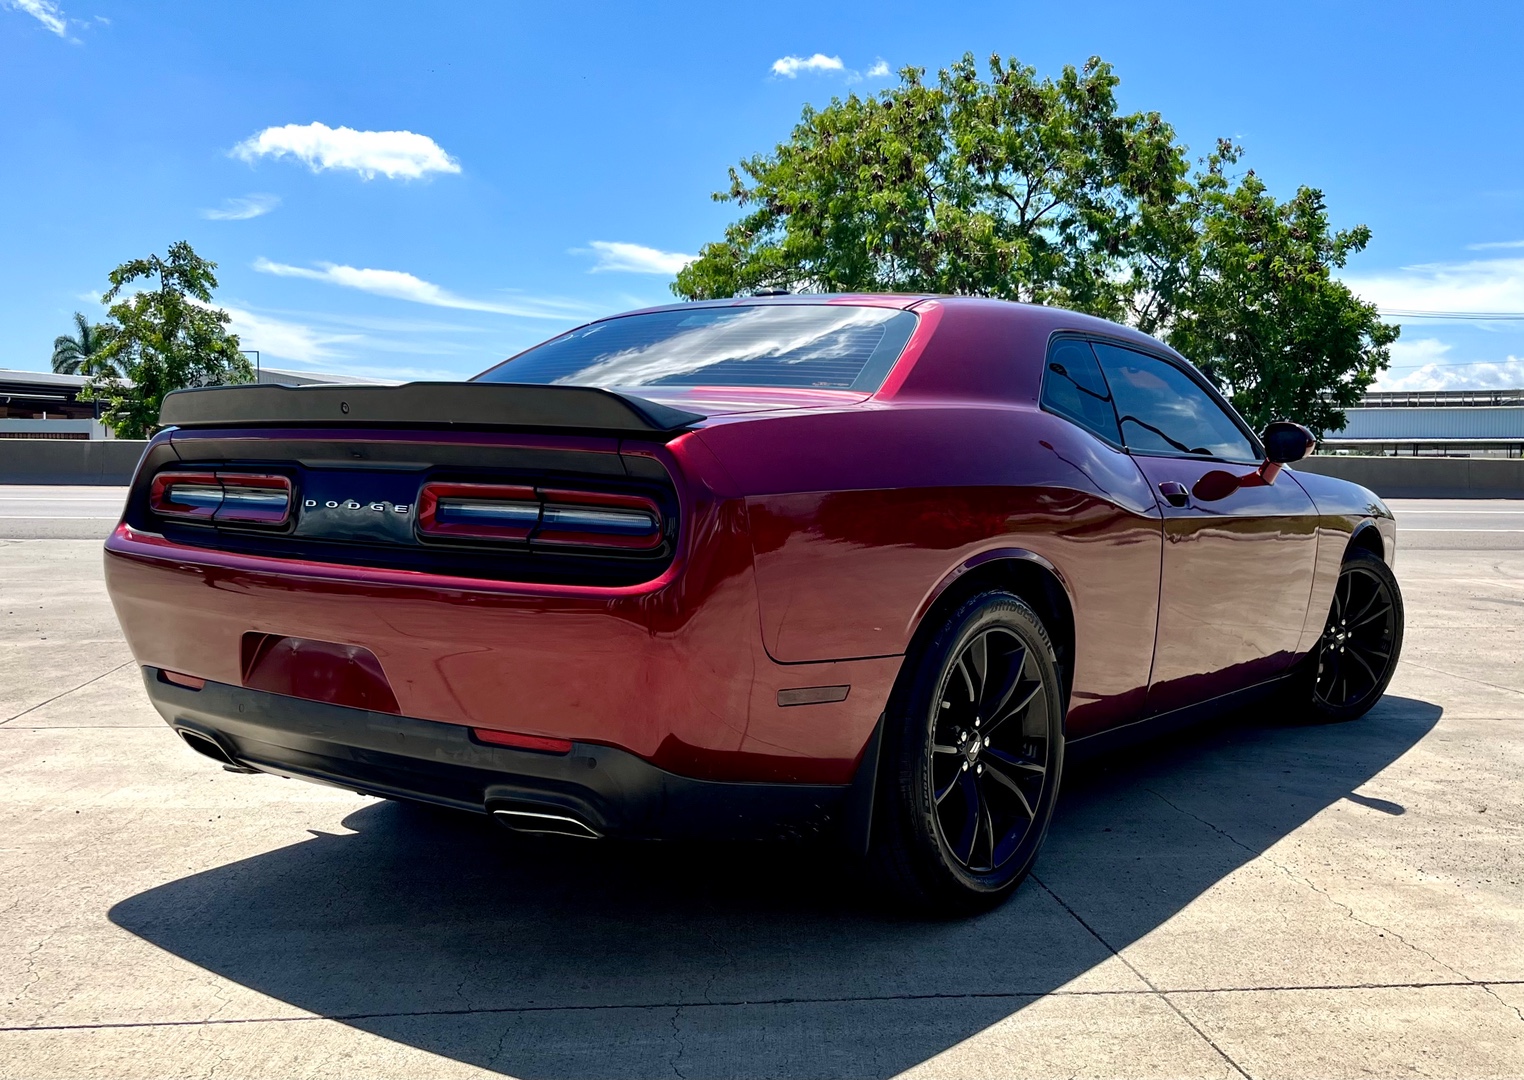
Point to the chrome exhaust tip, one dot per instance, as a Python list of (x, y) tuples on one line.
[(207, 746), (545, 823)]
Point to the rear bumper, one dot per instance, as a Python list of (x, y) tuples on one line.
[(612, 792), (673, 672)]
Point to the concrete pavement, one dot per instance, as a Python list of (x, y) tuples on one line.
[(1260, 899)]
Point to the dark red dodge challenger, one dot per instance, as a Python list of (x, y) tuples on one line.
[(868, 566)]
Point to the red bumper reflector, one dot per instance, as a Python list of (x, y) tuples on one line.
[(522, 742), (190, 682)]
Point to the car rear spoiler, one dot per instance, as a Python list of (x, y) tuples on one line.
[(426, 404)]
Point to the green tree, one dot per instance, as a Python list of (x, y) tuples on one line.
[(1042, 190), (1260, 311), (163, 339), (79, 353), (1017, 187)]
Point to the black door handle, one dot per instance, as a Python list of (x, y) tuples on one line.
[(1175, 493)]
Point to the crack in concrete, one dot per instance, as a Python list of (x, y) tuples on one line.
[(1349, 912), (1164, 997), (1487, 986), (1463, 678), (66, 693), (515, 1010), (677, 1037)]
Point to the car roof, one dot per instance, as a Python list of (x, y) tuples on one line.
[(900, 301)]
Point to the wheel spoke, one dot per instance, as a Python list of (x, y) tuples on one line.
[(1357, 616), (979, 658), (1007, 846), (994, 701), (1380, 613), (1355, 653), (938, 748), (1001, 778), (968, 679), (1015, 762), (1331, 667), (938, 796), (989, 828), (974, 803), (1012, 710)]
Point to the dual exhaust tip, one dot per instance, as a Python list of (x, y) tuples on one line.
[(207, 746), (543, 822), (522, 819)]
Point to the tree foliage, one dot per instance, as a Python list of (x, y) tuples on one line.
[(1260, 311), (163, 339), (79, 353), (1043, 190)]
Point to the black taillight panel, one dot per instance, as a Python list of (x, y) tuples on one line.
[(540, 517), (533, 525), (222, 497)]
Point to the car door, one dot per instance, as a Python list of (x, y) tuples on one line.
[(1110, 556), (1239, 547)]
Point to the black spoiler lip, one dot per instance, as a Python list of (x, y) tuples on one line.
[(429, 404)]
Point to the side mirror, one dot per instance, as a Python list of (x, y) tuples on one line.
[(1286, 442)]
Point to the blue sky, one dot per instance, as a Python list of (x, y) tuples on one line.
[(413, 191)]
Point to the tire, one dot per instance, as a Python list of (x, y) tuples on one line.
[(1349, 668), (965, 799)]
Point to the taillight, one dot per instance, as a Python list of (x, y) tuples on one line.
[(478, 511), (594, 519), (539, 516), (233, 498)]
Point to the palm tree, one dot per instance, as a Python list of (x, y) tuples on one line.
[(78, 354)]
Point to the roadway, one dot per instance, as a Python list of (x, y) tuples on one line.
[(1259, 898), (70, 513)]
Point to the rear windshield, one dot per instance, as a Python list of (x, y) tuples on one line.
[(830, 346)]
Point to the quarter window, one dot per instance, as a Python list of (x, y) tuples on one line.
[(1162, 410), (1073, 388)]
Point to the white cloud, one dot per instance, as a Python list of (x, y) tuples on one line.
[(1481, 286), (45, 12), (285, 340), (1419, 352), (393, 154), (250, 206), (790, 66), (879, 69), (1495, 245), (636, 258), (400, 285), (1484, 375), (1426, 364)]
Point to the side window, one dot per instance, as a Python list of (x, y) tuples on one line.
[(1163, 411), (1073, 388)]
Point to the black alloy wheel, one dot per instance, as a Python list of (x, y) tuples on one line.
[(976, 745), (1357, 654), (989, 750)]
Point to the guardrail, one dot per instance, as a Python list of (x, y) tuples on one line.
[(69, 461), (1425, 477)]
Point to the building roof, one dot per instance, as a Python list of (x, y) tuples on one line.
[(11, 377)]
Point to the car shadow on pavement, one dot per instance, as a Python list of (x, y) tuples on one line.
[(562, 959)]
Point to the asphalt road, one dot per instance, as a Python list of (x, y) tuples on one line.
[(1256, 899), (58, 513)]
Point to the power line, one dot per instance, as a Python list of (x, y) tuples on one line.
[(1454, 363), (1458, 316)]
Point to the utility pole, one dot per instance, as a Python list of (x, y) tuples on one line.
[(256, 361)]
